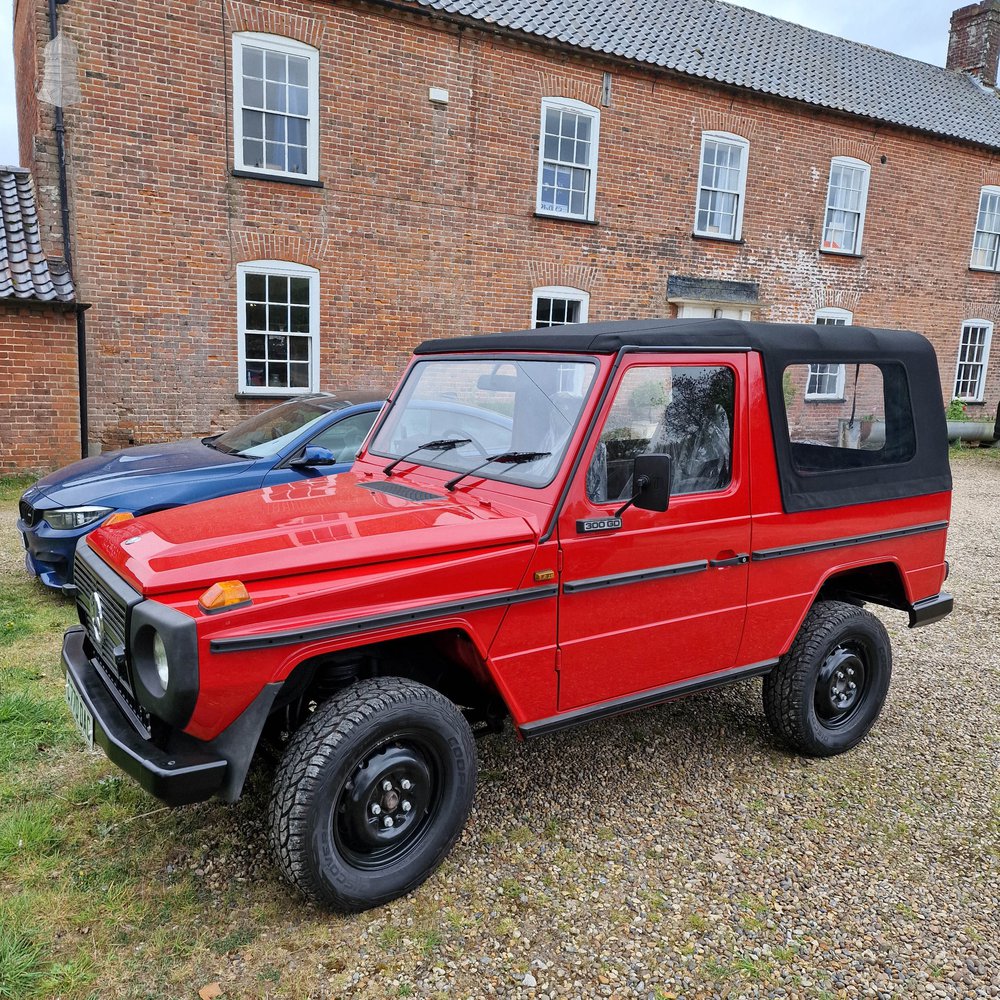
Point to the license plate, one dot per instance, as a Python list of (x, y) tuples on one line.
[(81, 714), (24, 541)]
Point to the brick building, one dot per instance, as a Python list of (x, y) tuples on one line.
[(39, 411), (268, 198)]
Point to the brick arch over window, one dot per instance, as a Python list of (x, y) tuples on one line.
[(726, 121), (556, 85), (294, 249), (568, 275), (267, 20)]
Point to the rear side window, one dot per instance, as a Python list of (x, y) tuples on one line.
[(862, 418)]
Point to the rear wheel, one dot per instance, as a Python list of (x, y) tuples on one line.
[(372, 792), (826, 693)]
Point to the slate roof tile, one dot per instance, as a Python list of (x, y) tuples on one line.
[(744, 48), (26, 274)]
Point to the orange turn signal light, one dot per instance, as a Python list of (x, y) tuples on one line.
[(122, 515), (223, 594)]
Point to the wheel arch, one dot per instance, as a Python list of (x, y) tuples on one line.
[(882, 583), (446, 659)]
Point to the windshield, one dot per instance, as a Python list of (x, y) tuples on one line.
[(268, 432), (488, 408)]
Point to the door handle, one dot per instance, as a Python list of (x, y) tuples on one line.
[(736, 559)]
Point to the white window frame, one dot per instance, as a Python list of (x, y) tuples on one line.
[(829, 316), (866, 171), (967, 326), (992, 235), (287, 269), (287, 46), (744, 144), (560, 292), (577, 107)]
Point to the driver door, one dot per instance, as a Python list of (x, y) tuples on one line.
[(654, 598)]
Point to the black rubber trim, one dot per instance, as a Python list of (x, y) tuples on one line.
[(628, 703), (186, 773), (354, 626), (931, 609), (638, 576), (842, 543)]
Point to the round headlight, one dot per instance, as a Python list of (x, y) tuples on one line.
[(160, 660)]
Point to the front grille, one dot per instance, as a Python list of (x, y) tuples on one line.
[(105, 616), (29, 515)]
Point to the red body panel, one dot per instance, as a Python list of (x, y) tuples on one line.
[(329, 551)]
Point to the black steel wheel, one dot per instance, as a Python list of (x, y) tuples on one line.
[(826, 693), (372, 793)]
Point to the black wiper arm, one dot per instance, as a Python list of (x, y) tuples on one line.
[(441, 444), (506, 458)]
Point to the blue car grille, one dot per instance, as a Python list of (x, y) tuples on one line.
[(29, 515), (105, 617)]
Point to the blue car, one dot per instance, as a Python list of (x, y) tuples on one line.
[(308, 436)]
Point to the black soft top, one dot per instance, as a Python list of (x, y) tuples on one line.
[(915, 409), (787, 341)]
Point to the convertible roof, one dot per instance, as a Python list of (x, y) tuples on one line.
[(786, 340), (914, 409)]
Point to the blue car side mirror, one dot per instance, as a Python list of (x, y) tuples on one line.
[(314, 456)]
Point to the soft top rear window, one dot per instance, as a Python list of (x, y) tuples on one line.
[(844, 416)]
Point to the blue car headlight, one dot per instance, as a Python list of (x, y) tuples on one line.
[(70, 518)]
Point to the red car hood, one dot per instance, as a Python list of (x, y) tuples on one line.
[(320, 524)]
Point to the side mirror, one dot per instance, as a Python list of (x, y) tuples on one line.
[(314, 456), (651, 475)]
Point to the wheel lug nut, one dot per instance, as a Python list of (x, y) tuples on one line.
[(852, 686), (405, 784), (386, 786), (387, 822), (406, 807), (376, 809)]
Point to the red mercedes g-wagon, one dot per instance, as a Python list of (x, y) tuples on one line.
[(555, 526)]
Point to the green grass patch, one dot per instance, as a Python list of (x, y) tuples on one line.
[(26, 833), (11, 488), (22, 958), (29, 727)]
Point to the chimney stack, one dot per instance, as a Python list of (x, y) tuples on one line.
[(974, 41)]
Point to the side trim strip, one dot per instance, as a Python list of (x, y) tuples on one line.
[(353, 626), (842, 543), (639, 576), (633, 701)]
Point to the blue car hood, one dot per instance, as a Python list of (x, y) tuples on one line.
[(168, 468)]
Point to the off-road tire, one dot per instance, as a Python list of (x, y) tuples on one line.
[(808, 700), (323, 830)]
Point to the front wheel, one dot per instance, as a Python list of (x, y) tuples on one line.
[(372, 792), (827, 691)]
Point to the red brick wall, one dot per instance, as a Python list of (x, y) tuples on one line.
[(39, 409), (425, 222)]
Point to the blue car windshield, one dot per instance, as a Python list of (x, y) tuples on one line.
[(520, 412), (267, 433)]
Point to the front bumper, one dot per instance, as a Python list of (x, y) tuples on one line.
[(188, 772), (49, 555)]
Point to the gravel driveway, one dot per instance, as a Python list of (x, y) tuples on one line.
[(675, 852)]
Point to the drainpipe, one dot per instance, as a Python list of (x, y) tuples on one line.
[(59, 128)]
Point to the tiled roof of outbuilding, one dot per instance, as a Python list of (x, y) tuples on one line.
[(26, 274), (744, 48)]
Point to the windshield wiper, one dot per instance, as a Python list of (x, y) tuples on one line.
[(440, 444), (213, 443), (505, 458)]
